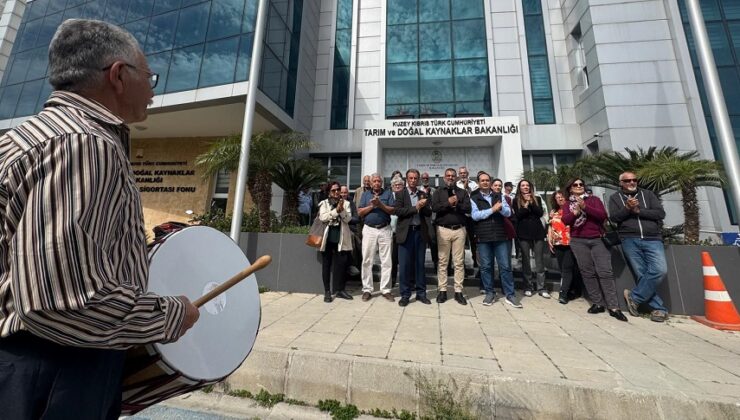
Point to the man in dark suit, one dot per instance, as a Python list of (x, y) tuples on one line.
[(413, 210)]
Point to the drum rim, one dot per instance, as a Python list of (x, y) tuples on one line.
[(155, 346)]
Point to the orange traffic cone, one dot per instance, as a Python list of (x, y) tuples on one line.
[(719, 311)]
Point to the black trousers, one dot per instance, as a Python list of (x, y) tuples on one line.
[(334, 262), (43, 380)]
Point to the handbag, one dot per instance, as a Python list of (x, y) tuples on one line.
[(316, 233), (611, 237)]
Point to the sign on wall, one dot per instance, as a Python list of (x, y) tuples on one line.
[(163, 176), (443, 127)]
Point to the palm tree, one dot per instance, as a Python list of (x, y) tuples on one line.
[(293, 176), (683, 172), (266, 151), (547, 180), (604, 169)]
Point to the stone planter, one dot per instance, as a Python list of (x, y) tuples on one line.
[(295, 267), (683, 289)]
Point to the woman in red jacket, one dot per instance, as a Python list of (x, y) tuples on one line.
[(585, 214)]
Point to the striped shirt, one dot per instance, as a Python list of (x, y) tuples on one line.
[(73, 257)]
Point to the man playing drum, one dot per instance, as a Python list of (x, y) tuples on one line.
[(73, 256)]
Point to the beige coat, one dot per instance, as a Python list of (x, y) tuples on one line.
[(332, 218)]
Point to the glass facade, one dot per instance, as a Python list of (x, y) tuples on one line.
[(190, 43), (539, 68), (436, 59), (722, 19), (340, 78)]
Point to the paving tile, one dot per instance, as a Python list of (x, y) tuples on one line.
[(414, 351), (514, 345), (530, 364), (316, 341), (479, 349), (484, 364), (369, 350)]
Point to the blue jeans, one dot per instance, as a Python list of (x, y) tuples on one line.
[(501, 251), (647, 258), (411, 264)]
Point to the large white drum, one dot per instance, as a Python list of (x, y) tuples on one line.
[(192, 262)]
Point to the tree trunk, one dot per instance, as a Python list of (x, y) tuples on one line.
[(263, 198), (690, 214), (290, 210)]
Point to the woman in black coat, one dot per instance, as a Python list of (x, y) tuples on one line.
[(531, 235)]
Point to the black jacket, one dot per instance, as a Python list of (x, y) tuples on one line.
[(406, 211), (446, 214), (491, 228), (646, 224), (528, 220)]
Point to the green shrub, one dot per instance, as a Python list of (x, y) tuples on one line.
[(265, 399)]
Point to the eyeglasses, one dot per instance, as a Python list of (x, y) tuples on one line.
[(577, 184), (629, 181), (334, 190), (152, 77)]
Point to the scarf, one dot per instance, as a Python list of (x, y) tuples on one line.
[(573, 207)]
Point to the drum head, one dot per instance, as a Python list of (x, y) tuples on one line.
[(191, 262)]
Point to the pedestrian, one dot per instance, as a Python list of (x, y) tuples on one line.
[(531, 235), (356, 257), (304, 206), (432, 244), (413, 210), (489, 210), (585, 214), (464, 182), (336, 246), (558, 240), (397, 184), (376, 207), (639, 215), (450, 204), (73, 283)]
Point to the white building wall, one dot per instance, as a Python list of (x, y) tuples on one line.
[(10, 21)]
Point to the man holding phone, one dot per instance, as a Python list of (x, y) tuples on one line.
[(639, 215)]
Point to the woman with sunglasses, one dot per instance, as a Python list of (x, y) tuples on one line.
[(585, 214), (336, 247)]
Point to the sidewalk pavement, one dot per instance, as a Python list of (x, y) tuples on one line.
[(546, 360)]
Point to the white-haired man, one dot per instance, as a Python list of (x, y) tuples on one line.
[(73, 255)]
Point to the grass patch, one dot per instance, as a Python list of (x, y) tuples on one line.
[(265, 399), (446, 399), (339, 411), (263, 289), (240, 393)]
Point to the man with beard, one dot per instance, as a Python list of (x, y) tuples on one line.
[(639, 215), (451, 203)]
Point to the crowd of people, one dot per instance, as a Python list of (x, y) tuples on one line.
[(398, 225)]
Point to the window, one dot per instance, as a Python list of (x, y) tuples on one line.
[(436, 59), (549, 160), (190, 43), (580, 57), (539, 69), (342, 168), (722, 19), (340, 78), (221, 190)]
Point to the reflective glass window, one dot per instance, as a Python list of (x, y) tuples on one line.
[(539, 67), (226, 18), (184, 69), (30, 33), (219, 62), (9, 100), (340, 77), (161, 32), (192, 25), (20, 67), (542, 161), (720, 44), (250, 16), (401, 11), (731, 9), (161, 6), (728, 77), (434, 10), (138, 9), (29, 97), (435, 82), (56, 6), (46, 90), (469, 38), (246, 42), (47, 29), (115, 11), (95, 10), (435, 37), (77, 12), (37, 9), (160, 64), (466, 9), (272, 75), (38, 63), (138, 29), (342, 47), (402, 44), (402, 83), (471, 80), (472, 109)]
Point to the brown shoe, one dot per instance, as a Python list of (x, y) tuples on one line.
[(366, 296), (389, 297)]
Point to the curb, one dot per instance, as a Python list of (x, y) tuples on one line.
[(372, 383)]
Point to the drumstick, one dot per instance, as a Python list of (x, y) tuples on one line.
[(261, 263)]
